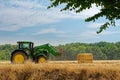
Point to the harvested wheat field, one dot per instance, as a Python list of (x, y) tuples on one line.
[(61, 70)]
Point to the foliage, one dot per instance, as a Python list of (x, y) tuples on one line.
[(109, 9), (6, 50), (100, 50)]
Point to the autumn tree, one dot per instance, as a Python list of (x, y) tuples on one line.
[(110, 9)]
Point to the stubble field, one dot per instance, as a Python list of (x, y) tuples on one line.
[(61, 70)]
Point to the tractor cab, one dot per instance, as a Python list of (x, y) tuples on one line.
[(26, 46)]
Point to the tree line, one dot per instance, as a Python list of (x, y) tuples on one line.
[(100, 51)]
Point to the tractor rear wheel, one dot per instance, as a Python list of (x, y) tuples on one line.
[(19, 57), (41, 59)]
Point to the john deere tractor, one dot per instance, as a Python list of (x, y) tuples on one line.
[(38, 54)]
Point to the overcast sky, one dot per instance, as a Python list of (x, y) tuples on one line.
[(30, 20)]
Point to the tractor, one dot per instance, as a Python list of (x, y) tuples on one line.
[(38, 54)]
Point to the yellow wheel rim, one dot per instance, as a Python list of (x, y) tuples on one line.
[(19, 58), (42, 60)]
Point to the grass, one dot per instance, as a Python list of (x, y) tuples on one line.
[(61, 70)]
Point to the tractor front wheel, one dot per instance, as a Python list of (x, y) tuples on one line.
[(19, 57), (41, 59)]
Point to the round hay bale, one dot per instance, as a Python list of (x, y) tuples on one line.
[(85, 58)]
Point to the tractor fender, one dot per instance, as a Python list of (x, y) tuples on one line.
[(17, 51)]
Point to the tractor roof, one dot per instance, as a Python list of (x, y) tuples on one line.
[(24, 42)]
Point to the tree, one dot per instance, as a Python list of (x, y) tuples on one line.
[(6, 50), (110, 9)]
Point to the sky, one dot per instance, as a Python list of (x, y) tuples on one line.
[(30, 20)]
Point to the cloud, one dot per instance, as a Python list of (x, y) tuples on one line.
[(17, 14), (83, 36), (14, 18), (109, 32), (88, 35), (84, 14), (94, 25), (91, 35), (48, 31), (117, 23)]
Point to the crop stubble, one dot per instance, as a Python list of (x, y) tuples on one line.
[(61, 70)]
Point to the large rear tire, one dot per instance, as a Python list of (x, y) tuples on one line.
[(41, 59), (18, 57)]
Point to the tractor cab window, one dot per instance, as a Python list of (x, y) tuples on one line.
[(26, 46)]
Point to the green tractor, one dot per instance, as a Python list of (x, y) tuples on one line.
[(38, 54)]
